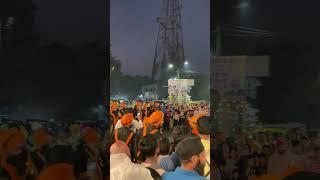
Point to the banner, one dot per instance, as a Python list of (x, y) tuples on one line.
[(176, 86), (230, 73)]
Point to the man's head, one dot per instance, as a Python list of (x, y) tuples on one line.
[(148, 145), (204, 126), (164, 146), (191, 153), (119, 147), (178, 133), (123, 134)]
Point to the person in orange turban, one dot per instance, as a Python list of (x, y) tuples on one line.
[(40, 138), (90, 136), (11, 141), (58, 171), (155, 120), (127, 119), (193, 123)]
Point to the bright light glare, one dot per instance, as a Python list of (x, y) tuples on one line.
[(170, 66), (186, 63), (243, 5)]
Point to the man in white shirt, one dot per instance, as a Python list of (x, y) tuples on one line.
[(129, 121), (121, 167)]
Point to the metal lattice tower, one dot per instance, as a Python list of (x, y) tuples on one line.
[(169, 48)]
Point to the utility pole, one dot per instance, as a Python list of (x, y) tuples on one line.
[(218, 41)]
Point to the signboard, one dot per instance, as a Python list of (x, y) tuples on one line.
[(176, 86), (229, 73)]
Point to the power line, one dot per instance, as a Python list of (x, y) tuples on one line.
[(245, 35), (248, 28), (246, 32)]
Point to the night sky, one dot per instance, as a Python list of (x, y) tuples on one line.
[(291, 91), (134, 30), (63, 76), (72, 21)]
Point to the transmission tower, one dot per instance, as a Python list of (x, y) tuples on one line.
[(169, 47)]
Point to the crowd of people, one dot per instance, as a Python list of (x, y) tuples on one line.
[(266, 155), (151, 140), (53, 150), (158, 140)]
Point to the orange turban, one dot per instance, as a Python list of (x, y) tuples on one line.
[(90, 136), (127, 119), (11, 141), (156, 118), (4, 135), (40, 137), (60, 171), (193, 123)]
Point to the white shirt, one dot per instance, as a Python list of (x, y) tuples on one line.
[(134, 125), (121, 168)]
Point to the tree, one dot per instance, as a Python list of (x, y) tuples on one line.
[(115, 74)]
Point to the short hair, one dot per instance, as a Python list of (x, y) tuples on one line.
[(128, 110), (179, 133), (189, 147), (204, 126), (164, 146), (148, 145), (123, 133)]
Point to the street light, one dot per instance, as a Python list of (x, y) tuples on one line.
[(170, 66), (186, 63), (243, 4)]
